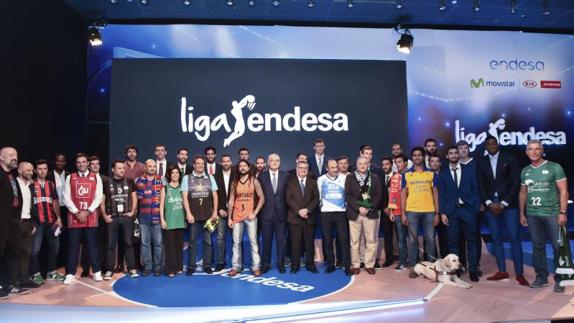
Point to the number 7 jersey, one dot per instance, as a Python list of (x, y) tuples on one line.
[(542, 197)]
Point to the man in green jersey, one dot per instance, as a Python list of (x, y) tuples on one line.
[(543, 203)]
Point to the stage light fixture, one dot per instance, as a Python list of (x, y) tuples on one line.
[(399, 4), (186, 2), (275, 3), (513, 8), (114, 1), (442, 5), (476, 6), (144, 2), (251, 3), (311, 3), (350, 4), (94, 36), (230, 3), (405, 43), (546, 8), (454, 1)]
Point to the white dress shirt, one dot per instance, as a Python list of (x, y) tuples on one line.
[(493, 163), (226, 177), (97, 198), (320, 161), (26, 198), (164, 162), (60, 180)]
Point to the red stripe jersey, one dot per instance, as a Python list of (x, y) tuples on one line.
[(43, 196)]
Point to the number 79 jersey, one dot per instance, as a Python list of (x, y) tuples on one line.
[(542, 197)]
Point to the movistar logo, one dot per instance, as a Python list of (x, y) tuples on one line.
[(475, 84)]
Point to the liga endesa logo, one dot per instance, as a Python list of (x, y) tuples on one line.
[(202, 126)]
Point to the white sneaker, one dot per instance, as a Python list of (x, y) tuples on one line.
[(69, 279), (98, 276), (108, 275)]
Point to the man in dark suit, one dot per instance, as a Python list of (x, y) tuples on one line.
[(458, 205), (363, 196), (292, 173), (211, 166), (498, 178), (223, 178), (160, 153), (302, 196), (386, 224), (317, 162), (58, 176), (182, 157), (274, 213)]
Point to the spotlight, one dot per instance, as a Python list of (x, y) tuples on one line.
[(144, 2), (350, 4), (251, 3), (230, 3), (114, 1), (546, 6), (275, 3), (405, 43), (476, 6), (454, 1), (94, 36), (311, 4), (512, 6), (399, 4), (186, 2), (441, 5)]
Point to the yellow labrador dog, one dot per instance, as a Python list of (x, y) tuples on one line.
[(442, 270)]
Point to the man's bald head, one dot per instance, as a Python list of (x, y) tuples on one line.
[(151, 168), (8, 158), (26, 170)]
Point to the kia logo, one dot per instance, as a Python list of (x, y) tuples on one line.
[(529, 83)]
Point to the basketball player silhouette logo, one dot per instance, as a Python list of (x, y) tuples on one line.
[(237, 112)]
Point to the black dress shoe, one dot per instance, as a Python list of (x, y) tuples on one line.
[(190, 272), (312, 269), (377, 266), (479, 272), (220, 267), (294, 269), (208, 270), (330, 269), (145, 272), (265, 269), (28, 284), (474, 277), (339, 264), (85, 273), (119, 269), (348, 271), (362, 265), (282, 269), (386, 264)]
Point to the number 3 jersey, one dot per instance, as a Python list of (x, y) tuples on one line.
[(542, 198)]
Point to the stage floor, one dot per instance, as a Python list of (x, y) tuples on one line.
[(387, 296)]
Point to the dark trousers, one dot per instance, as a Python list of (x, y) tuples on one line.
[(302, 234), (44, 234), (173, 248), (195, 230), (268, 228), (121, 229), (442, 232), (102, 240), (465, 219), (26, 242), (9, 247), (388, 227), (63, 252), (91, 249), (338, 221)]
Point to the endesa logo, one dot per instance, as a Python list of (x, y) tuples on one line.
[(551, 84), (516, 65), (529, 84)]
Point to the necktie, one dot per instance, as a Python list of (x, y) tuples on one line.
[(274, 183), (183, 170), (160, 169), (455, 176), (387, 177), (210, 169), (302, 186)]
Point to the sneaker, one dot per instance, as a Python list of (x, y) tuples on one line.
[(134, 273), (107, 276), (539, 283), (18, 290), (558, 288), (97, 276), (501, 275), (521, 280), (54, 275), (400, 268), (69, 279), (38, 279)]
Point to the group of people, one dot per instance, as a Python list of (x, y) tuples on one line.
[(138, 216)]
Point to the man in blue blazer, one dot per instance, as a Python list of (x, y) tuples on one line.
[(459, 202), (274, 213), (318, 161)]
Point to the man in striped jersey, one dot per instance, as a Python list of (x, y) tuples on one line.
[(46, 215)]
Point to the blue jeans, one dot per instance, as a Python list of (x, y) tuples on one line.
[(44, 233), (74, 239), (541, 229), (463, 218), (221, 240), (151, 234), (509, 220), (402, 240), (426, 218), (195, 230)]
